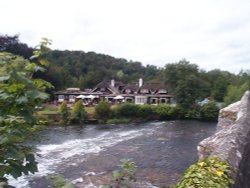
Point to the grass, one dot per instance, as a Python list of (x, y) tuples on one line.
[(48, 111), (45, 111), (90, 110), (118, 121)]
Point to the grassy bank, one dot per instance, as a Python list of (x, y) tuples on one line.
[(125, 113)]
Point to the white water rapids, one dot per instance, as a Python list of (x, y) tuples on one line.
[(52, 155), (166, 148)]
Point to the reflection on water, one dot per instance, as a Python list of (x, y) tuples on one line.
[(162, 151)]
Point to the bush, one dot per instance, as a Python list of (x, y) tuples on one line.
[(209, 111), (166, 111), (146, 111), (103, 111), (79, 114), (210, 172), (126, 110), (64, 112), (193, 113)]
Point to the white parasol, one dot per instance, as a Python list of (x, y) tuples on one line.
[(119, 97), (80, 97)]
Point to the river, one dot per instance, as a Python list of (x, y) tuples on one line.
[(88, 154)]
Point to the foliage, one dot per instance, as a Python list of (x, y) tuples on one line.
[(58, 181), (121, 177), (210, 172), (235, 93), (85, 70), (79, 114), (19, 94), (118, 120), (184, 81), (165, 111), (103, 110), (127, 110), (146, 111), (193, 113), (13, 45), (64, 112), (209, 111), (218, 82)]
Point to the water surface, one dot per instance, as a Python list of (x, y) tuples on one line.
[(87, 155)]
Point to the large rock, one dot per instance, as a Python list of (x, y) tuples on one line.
[(231, 138)]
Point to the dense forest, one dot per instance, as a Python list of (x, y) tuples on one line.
[(85, 69)]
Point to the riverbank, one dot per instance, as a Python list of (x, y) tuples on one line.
[(127, 112)]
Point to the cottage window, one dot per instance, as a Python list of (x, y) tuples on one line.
[(140, 100), (71, 98), (61, 98)]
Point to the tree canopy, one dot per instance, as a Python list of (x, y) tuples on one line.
[(86, 69)]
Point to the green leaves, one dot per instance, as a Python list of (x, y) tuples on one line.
[(32, 67), (79, 115), (103, 110), (19, 95), (209, 111), (64, 112), (121, 177), (210, 172), (44, 62), (58, 181)]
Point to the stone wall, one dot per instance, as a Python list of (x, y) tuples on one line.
[(231, 141)]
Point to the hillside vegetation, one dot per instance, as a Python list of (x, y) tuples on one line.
[(86, 69)]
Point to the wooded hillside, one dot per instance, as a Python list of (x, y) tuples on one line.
[(85, 69)]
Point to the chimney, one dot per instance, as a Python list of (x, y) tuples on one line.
[(113, 83), (140, 82)]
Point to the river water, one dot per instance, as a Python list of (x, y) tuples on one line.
[(87, 155)]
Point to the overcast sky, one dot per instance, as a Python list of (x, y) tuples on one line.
[(210, 33)]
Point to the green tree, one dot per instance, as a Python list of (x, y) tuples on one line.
[(234, 93), (184, 80), (218, 83), (64, 112), (103, 111), (79, 114), (19, 94), (12, 45)]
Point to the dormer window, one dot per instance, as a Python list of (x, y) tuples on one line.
[(127, 90), (144, 90), (102, 89), (162, 91)]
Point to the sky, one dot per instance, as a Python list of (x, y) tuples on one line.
[(214, 34)]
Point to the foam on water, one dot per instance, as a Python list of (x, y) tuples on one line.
[(50, 156)]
